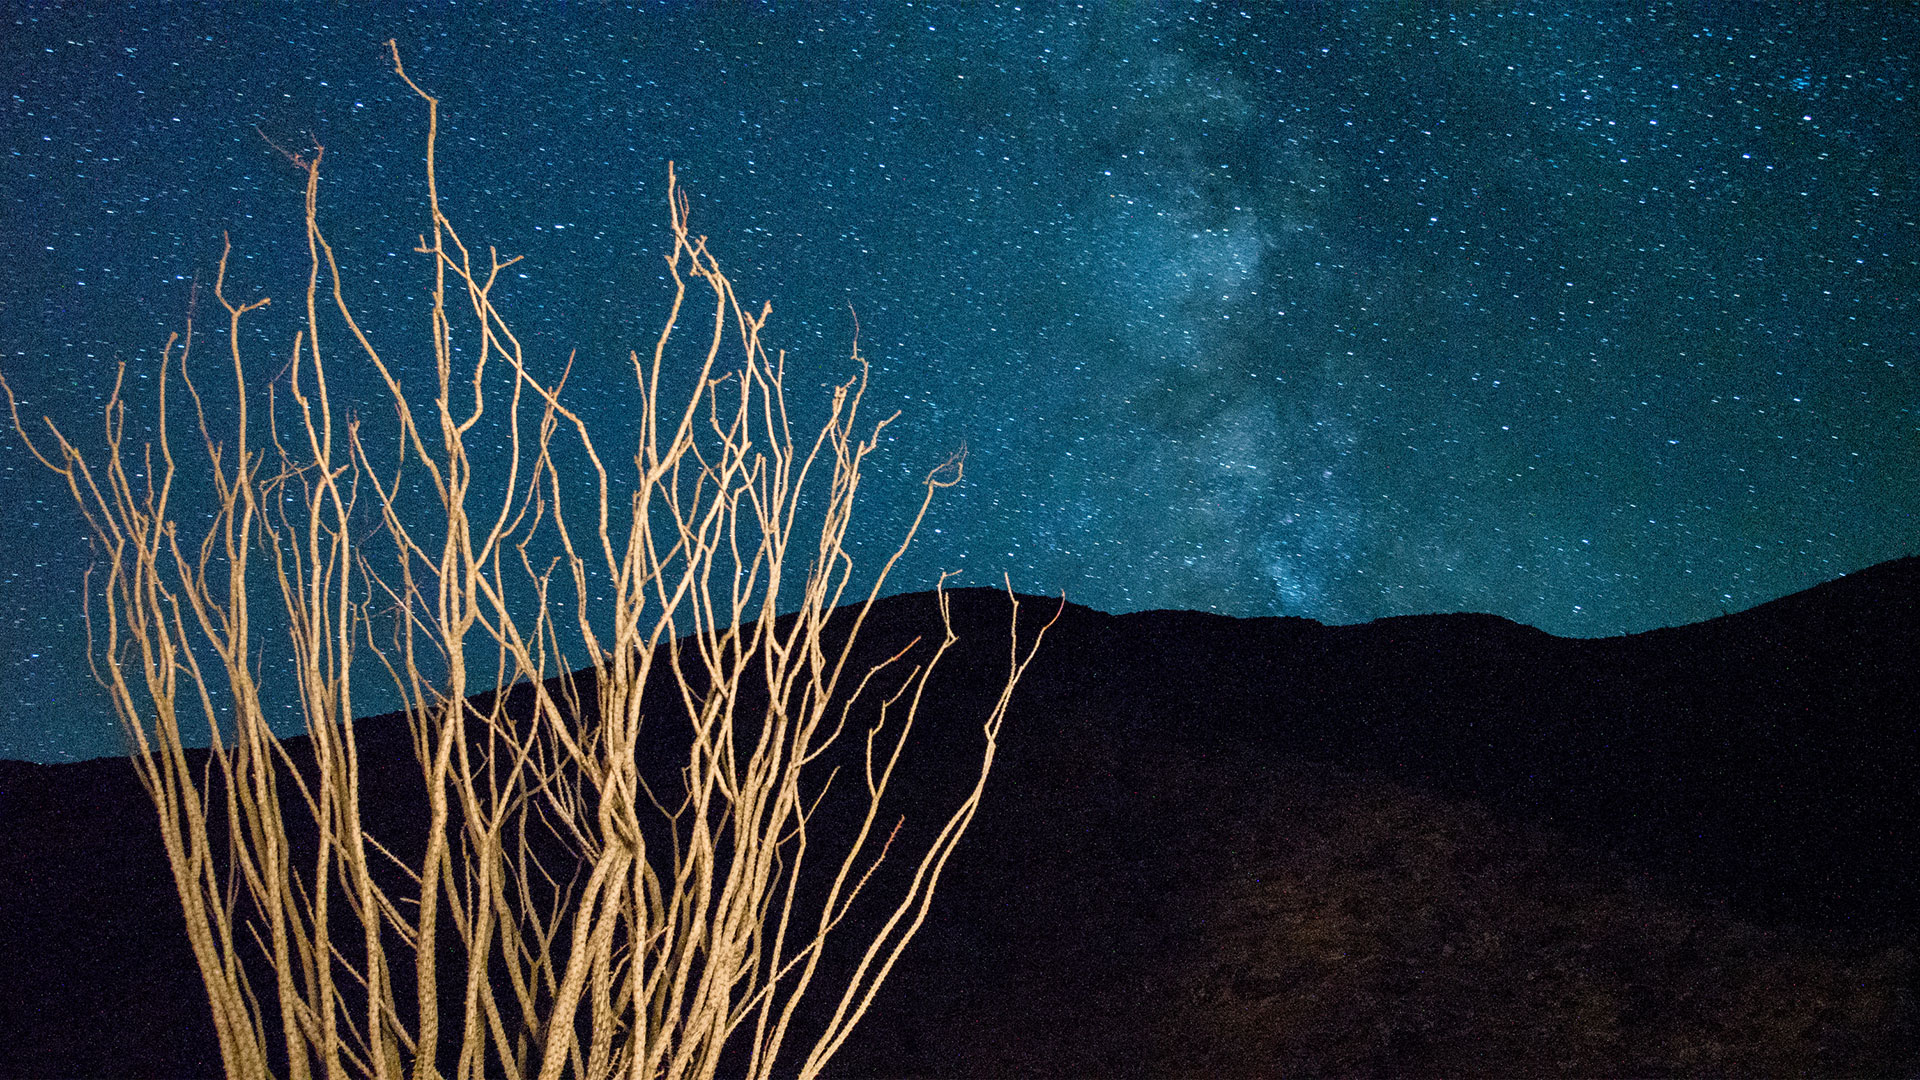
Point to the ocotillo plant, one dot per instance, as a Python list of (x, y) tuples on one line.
[(556, 915)]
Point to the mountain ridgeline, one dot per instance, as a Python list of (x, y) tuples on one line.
[(1765, 764)]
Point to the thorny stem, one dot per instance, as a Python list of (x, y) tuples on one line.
[(592, 928)]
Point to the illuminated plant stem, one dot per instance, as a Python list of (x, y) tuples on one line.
[(558, 919)]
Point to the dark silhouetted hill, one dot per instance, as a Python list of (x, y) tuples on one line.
[(1218, 847)]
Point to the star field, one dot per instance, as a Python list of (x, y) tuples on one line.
[(1597, 317)]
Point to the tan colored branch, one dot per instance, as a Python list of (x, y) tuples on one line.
[(597, 928)]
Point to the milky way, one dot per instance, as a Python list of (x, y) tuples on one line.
[(1599, 319)]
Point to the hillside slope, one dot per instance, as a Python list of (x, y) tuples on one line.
[(1435, 843)]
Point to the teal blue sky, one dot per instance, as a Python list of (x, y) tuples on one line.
[(1599, 317)]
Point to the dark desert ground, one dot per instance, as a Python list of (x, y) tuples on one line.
[(1430, 845)]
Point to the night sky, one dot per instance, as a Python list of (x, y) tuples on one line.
[(1599, 317)]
